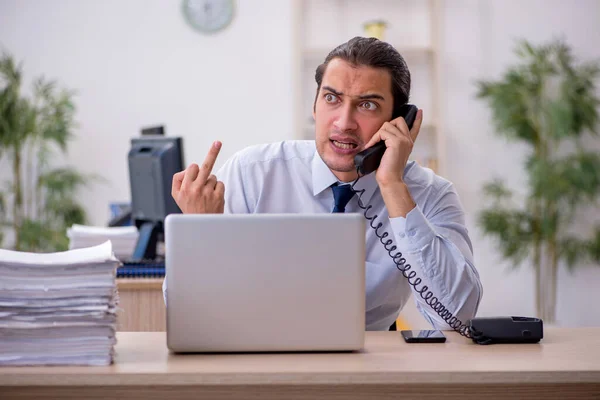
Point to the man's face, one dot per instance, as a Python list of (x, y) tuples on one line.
[(352, 104)]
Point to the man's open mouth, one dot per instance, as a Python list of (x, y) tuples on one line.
[(344, 145)]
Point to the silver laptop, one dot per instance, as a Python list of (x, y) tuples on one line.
[(265, 282)]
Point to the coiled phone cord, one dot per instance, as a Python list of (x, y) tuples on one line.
[(405, 268)]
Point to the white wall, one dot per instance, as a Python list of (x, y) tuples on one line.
[(137, 63)]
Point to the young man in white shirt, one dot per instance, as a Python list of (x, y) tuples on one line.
[(361, 87)]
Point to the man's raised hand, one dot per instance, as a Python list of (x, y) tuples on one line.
[(196, 190)]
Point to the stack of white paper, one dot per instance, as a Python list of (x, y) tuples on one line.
[(58, 308), (123, 238)]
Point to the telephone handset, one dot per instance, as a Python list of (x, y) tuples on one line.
[(368, 160)]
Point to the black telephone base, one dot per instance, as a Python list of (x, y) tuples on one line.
[(506, 330)]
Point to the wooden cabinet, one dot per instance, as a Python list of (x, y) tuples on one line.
[(141, 305)]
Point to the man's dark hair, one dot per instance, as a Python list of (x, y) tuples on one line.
[(372, 52)]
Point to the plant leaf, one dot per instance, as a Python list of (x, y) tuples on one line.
[(512, 231)]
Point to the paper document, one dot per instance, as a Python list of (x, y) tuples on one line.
[(58, 308), (123, 238)]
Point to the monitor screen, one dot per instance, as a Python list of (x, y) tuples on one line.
[(152, 163)]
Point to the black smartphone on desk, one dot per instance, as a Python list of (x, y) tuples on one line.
[(423, 336)]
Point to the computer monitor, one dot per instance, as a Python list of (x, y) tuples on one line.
[(152, 163)]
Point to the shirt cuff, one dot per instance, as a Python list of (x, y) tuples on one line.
[(413, 232)]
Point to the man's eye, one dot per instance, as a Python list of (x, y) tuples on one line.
[(330, 98), (369, 105)]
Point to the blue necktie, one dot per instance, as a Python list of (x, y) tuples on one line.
[(341, 195)]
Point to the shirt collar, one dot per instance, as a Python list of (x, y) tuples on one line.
[(323, 178)]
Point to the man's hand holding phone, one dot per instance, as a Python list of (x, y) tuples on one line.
[(196, 190), (399, 142)]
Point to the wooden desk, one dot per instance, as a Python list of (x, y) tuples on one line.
[(141, 305), (565, 365)]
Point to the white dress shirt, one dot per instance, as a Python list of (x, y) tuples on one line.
[(291, 177)]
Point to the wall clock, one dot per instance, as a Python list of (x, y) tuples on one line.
[(208, 16)]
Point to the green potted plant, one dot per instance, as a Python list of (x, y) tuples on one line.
[(548, 102), (38, 202)]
